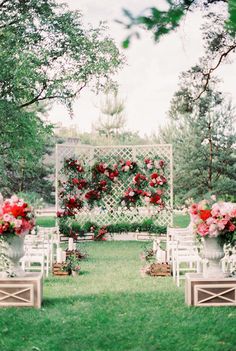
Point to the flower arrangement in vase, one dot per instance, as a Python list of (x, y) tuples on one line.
[(215, 224), (16, 220)]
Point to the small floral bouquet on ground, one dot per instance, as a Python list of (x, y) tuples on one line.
[(72, 264), (214, 220), (16, 217)]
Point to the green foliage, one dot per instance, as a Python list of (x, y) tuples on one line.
[(231, 23), (201, 125), (162, 22), (33, 199), (148, 225), (46, 54), (24, 141), (204, 161), (72, 264)]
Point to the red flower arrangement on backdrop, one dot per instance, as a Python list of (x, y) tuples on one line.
[(78, 190), (156, 163), (128, 166), (157, 179)]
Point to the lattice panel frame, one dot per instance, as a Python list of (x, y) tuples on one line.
[(114, 213)]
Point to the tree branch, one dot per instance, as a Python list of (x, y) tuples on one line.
[(3, 2), (38, 98), (8, 24), (207, 75)]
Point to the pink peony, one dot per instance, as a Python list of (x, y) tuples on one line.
[(213, 230), (203, 229)]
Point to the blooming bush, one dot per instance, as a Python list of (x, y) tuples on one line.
[(214, 220), (16, 217)]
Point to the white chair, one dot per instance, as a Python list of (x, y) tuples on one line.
[(172, 237), (38, 254), (185, 258), (228, 263)]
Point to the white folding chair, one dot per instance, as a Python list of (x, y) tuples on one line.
[(185, 258), (228, 262), (172, 237), (37, 255)]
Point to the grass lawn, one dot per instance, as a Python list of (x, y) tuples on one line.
[(110, 307), (46, 221)]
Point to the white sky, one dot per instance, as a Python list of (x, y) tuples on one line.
[(150, 78)]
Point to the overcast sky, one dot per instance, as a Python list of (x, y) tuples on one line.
[(149, 80)]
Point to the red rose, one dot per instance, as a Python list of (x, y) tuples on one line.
[(154, 175), (204, 214)]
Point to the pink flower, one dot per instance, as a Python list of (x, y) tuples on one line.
[(203, 229), (232, 227), (213, 230), (222, 223)]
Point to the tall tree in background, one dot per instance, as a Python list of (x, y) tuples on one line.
[(46, 54), (201, 124), (112, 119), (204, 145)]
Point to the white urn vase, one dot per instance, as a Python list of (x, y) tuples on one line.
[(212, 251), (12, 249)]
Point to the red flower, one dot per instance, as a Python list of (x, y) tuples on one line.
[(75, 181), (19, 211), (204, 214), (154, 175), (155, 199)]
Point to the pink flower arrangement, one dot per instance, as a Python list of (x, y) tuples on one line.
[(16, 217), (214, 220)]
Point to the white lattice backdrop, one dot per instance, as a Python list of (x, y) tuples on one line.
[(110, 211)]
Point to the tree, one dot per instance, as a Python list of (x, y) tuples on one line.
[(112, 120), (204, 145), (46, 54), (25, 139)]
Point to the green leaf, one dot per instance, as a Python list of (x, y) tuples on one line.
[(125, 43)]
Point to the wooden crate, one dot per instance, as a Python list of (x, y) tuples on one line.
[(159, 270), (57, 269), (24, 291)]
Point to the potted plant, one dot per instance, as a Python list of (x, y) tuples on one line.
[(72, 265)]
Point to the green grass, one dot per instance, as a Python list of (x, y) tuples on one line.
[(46, 221), (110, 307), (181, 220)]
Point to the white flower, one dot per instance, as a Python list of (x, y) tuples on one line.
[(131, 193)]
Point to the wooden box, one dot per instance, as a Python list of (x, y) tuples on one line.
[(200, 291), (57, 269), (22, 291), (159, 270)]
